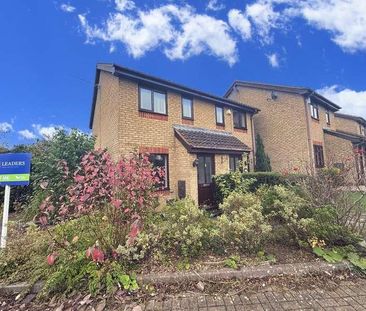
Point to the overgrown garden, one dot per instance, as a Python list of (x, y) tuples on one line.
[(90, 223)]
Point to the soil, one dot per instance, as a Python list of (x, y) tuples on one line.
[(283, 254)]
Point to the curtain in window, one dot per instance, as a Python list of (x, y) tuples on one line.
[(159, 103)]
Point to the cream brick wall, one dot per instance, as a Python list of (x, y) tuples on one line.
[(119, 126), (286, 127), (346, 125), (282, 125)]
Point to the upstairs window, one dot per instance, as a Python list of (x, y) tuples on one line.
[(220, 115), (161, 161), (153, 101), (187, 108), (327, 117), (318, 156), (240, 121), (314, 110)]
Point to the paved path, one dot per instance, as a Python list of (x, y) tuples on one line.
[(349, 295)]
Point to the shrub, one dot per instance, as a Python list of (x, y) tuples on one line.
[(183, 228), (119, 194), (323, 224), (262, 160), (241, 182), (54, 162), (282, 206), (242, 225)]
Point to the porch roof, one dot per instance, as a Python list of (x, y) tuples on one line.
[(203, 140), (354, 138)]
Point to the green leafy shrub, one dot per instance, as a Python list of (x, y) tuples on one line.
[(182, 228), (242, 225), (54, 162), (242, 182), (324, 225)]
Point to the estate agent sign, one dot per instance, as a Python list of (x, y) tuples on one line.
[(14, 171)]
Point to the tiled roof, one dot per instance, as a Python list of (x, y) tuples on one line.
[(201, 140)]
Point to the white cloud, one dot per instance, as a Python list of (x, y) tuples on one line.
[(179, 31), (67, 8), (264, 18), (352, 102), (240, 23), (27, 134), (123, 5), (345, 19), (5, 127), (204, 34), (215, 5), (46, 131), (273, 60)]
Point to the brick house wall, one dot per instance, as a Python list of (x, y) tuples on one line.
[(347, 125), (286, 127), (119, 126)]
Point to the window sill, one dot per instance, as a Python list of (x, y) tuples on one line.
[(220, 126), (163, 192), (153, 115), (187, 121), (315, 119), (240, 130)]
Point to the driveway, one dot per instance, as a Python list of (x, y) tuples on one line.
[(348, 295)]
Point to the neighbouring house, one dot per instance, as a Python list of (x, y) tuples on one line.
[(291, 123), (301, 129), (348, 142), (191, 134)]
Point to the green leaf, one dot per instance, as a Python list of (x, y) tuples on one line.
[(319, 251)]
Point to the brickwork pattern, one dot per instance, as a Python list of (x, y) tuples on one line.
[(286, 126), (348, 295), (346, 125), (120, 127)]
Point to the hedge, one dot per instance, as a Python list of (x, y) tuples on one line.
[(226, 181)]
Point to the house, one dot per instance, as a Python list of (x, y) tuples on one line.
[(348, 142), (291, 123), (191, 134)]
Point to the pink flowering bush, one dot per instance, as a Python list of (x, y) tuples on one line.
[(113, 196)]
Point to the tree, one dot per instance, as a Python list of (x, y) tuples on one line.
[(262, 160)]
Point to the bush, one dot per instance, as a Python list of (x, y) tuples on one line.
[(242, 225), (54, 162), (183, 228), (119, 193), (324, 225), (282, 206), (237, 181)]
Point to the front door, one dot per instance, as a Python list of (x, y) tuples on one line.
[(205, 170)]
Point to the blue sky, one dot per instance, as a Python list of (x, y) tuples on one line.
[(49, 50)]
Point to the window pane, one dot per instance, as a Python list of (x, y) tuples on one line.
[(208, 170), (161, 161), (242, 120), (231, 163), (236, 117), (159, 103), (201, 170), (187, 108), (145, 99), (219, 115)]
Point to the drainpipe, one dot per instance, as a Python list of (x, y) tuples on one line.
[(254, 147), (310, 147)]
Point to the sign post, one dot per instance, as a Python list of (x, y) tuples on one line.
[(14, 171)]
